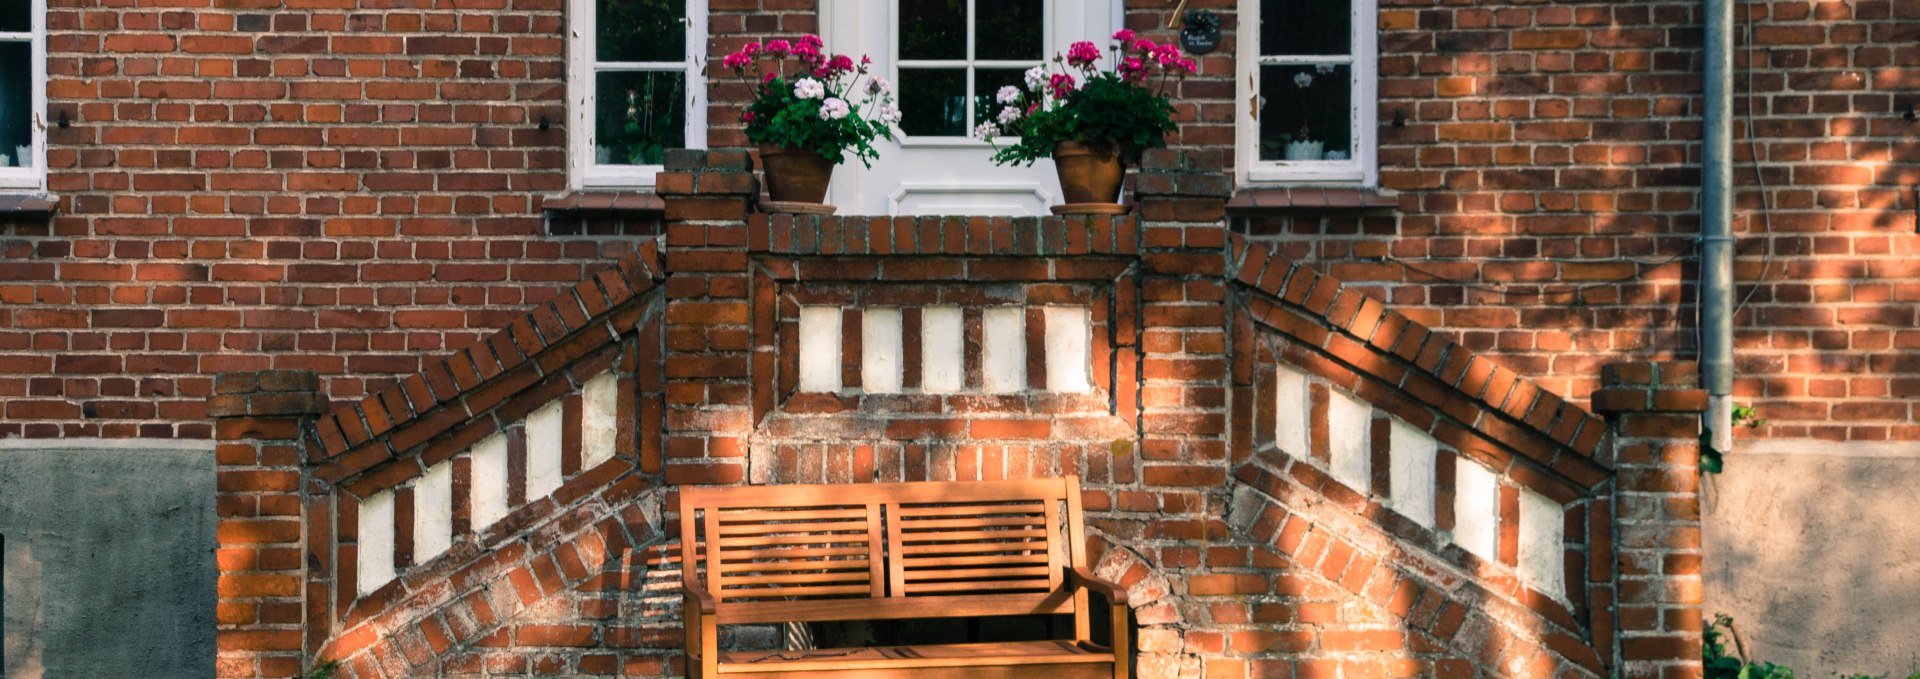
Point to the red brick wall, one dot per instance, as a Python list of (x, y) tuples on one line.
[(246, 186)]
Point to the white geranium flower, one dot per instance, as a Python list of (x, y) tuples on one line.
[(833, 109), (986, 132), (809, 88), (1008, 114), (1036, 78), (890, 114), (1302, 79), (1007, 95), (1323, 68), (879, 85)]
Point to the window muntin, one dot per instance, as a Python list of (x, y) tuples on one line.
[(23, 100), (1310, 83), (636, 88), (953, 52)]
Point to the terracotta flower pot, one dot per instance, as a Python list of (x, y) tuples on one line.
[(795, 175), (1089, 173)]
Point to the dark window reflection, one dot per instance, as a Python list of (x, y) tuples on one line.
[(1306, 112), (1305, 27), (16, 16), (638, 116), (1009, 29), (933, 101), (640, 30), (933, 29), (16, 103)]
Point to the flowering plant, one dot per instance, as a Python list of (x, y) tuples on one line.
[(808, 99), (1125, 107)]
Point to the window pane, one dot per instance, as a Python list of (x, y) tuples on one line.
[(641, 30), (16, 103), (1301, 106), (933, 101), (1009, 29), (986, 86), (16, 16), (1305, 27), (638, 116), (933, 29)]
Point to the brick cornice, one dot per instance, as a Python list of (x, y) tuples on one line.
[(1394, 344), (439, 398)]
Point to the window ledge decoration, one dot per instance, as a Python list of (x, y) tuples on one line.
[(1296, 198), (604, 201)]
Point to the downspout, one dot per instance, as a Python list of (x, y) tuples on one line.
[(1716, 226)]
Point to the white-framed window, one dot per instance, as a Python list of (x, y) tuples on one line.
[(1308, 87), (23, 95), (636, 87), (953, 55)]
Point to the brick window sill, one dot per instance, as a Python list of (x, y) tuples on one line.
[(605, 201), (1281, 200)]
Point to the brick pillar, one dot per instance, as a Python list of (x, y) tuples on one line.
[(1182, 461), (259, 421), (1655, 412), (708, 195)]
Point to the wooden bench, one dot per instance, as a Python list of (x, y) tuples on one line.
[(776, 554)]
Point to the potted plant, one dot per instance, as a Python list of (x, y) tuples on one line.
[(1302, 143), (809, 109), (1093, 125)]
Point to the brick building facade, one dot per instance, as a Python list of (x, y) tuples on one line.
[(361, 190)]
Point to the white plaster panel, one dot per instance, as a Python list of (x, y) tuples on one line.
[(375, 542), (1003, 339), (1349, 434), (1291, 411), (880, 350), (545, 431), (1068, 331), (599, 420), (942, 362), (1476, 509), (433, 512), (1542, 543), (489, 483), (1412, 453), (819, 349)]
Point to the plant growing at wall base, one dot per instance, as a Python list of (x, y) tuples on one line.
[(1719, 664)]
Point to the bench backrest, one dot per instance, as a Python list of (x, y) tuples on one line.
[(879, 551)]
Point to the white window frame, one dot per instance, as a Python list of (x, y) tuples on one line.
[(33, 178), (1362, 168), (972, 64), (583, 172)]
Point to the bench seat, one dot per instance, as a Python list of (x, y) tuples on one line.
[(1078, 659), (895, 551)]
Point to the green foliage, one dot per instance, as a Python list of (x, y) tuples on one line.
[(1744, 414), (1108, 111), (1722, 664), (324, 670)]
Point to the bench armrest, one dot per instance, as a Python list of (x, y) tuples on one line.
[(1083, 577), (695, 594)]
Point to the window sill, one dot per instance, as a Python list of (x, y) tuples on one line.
[(604, 201), (1273, 200), (28, 204)]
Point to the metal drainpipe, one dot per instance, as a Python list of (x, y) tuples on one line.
[(1716, 224)]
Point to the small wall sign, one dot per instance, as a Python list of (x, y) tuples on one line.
[(1201, 32)]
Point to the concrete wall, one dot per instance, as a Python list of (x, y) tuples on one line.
[(1812, 547), (109, 566)]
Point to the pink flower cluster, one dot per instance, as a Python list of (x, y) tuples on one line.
[(1136, 55), (805, 49)]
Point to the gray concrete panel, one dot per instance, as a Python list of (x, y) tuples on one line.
[(109, 568)]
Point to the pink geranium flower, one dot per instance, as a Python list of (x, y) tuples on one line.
[(778, 48), (1123, 36), (1082, 54)]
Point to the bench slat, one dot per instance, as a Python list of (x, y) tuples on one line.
[(894, 608)]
